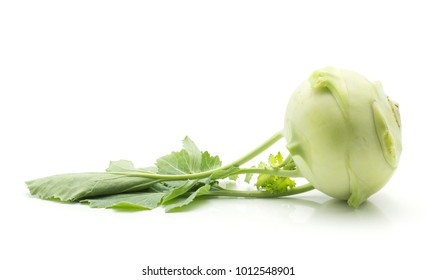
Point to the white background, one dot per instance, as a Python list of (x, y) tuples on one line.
[(86, 82)]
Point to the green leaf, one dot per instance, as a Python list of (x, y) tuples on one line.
[(275, 160), (271, 182), (194, 154), (76, 186), (128, 201), (183, 187), (248, 177), (187, 161), (209, 162), (274, 183), (183, 202), (127, 166)]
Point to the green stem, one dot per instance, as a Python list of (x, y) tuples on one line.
[(265, 145), (281, 173), (260, 194), (268, 143)]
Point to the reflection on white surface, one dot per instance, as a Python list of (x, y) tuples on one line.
[(304, 212), (334, 210)]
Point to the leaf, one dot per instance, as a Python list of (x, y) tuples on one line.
[(274, 183), (181, 203), (271, 182), (178, 191), (187, 161), (209, 162), (248, 177), (194, 154), (132, 201), (127, 166), (275, 160), (75, 186)]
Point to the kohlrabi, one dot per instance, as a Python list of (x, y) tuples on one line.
[(343, 135)]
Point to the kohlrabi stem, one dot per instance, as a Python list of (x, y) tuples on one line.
[(277, 172), (260, 194), (268, 143), (265, 145)]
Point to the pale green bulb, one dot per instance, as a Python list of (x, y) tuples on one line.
[(343, 133)]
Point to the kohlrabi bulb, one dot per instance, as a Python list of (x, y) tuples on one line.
[(343, 133)]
